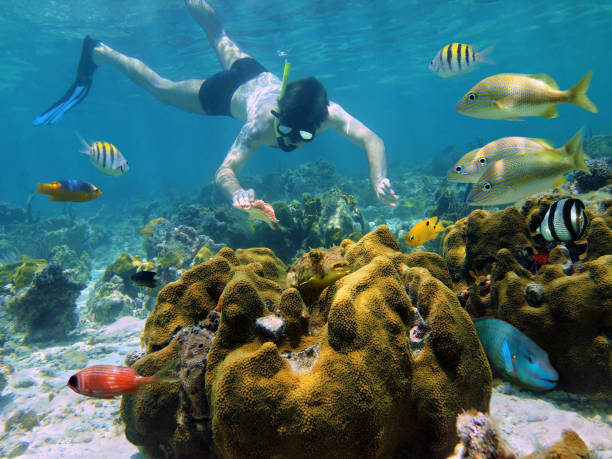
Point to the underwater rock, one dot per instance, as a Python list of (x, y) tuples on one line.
[(194, 343), (367, 394), (570, 445), (598, 175), (340, 217), (22, 419), (534, 293), (271, 327), (11, 215), (46, 310), (479, 438), (598, 146), (67, 258)]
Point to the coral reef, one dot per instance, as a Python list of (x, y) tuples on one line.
[(479, 438), (45, 311), (353, 389), (598, 146), (565, 311), (598, 175)]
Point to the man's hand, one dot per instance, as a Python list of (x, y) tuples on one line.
[(385, 193), (243, 198)]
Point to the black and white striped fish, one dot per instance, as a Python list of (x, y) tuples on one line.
[(106, 157), (458, 59), (565, 220)]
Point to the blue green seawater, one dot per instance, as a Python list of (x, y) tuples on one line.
[(372, 57)]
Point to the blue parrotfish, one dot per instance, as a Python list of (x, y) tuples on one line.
[(515, 356)]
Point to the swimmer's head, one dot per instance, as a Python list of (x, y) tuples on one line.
[(304, 104)]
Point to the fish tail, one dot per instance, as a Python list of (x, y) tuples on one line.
[(577, 94), (573, 149), (485, 55), (86, 146)]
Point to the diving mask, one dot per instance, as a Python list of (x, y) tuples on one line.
[(294, 134)]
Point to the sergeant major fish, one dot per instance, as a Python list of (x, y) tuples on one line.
[(471, 165), (515, 356), (508, 96), (106, 157), (515, 177), (69, 190), (458, 59)]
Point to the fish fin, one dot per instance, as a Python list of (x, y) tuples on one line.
[(545, 143), (551, 112), (513, 118), (506, 356), (86, 146), (53, 198), (504, 103), (573, 149), (485, 55), (577, 94), (40, 188), (546, 79), (560, 181)]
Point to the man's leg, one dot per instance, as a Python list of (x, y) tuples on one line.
[(227, 51), (180, 94)]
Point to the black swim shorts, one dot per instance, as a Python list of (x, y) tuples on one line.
[(216, 92)]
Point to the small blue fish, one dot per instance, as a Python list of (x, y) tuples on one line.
[(515, 356)]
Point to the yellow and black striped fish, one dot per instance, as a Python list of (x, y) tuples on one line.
[(458, 59), (106, 157)]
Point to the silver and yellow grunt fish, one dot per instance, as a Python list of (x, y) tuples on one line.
[(508, 96), (472, 165), (515, 177)]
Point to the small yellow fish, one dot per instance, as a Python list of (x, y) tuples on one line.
[(424, 231), (508, 96), (458, 59), (106, 157), (515, 177), (472, 165)]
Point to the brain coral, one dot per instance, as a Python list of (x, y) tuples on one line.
[(363, 391), (571, 316)]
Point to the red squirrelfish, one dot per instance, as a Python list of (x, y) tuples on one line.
[(108, 381)]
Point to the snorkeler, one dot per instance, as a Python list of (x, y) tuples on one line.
[(274, 113)]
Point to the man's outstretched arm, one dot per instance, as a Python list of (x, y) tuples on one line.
[(244, 146), (360, 135)]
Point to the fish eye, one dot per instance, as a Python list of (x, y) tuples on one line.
[(530, 358), (458, 168), (482, 161), (472, 96), (431, 62), (486, 186), (72, 381), (412, 237)]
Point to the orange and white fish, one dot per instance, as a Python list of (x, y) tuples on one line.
[(424, 231), (508, 96), (260, 210), (69, 190), (108, 381), (106, 157)]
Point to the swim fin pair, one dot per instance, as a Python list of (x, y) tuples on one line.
[(79, 89)]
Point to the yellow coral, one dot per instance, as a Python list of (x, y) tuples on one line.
[(148, 229)]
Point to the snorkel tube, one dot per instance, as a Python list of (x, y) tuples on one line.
[(279, 139)]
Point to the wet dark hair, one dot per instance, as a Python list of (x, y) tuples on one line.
[(304, 103)]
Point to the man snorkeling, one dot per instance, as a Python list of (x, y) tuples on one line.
[(275, 113)]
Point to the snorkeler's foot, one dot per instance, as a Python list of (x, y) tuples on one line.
[(79, 89), (206, 16)]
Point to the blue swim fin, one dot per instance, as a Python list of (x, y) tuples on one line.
[(79, 89)]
